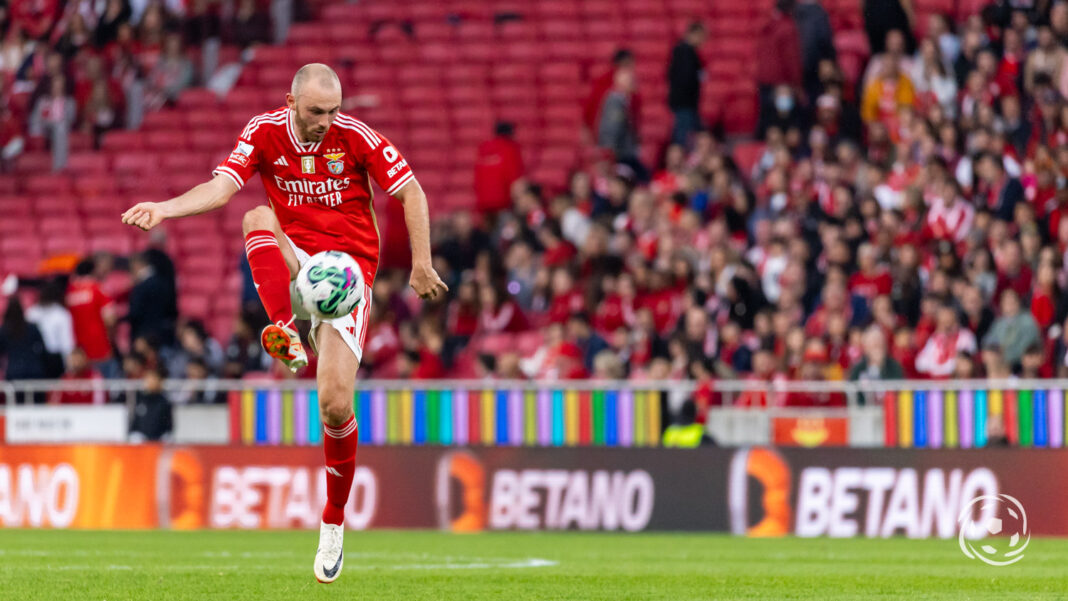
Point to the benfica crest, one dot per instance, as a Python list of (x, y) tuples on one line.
[(334, 163)]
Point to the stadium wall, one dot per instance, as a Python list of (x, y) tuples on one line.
[(756, 491)]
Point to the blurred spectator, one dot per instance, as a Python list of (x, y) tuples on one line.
[(197, 387), (54, 115), (79, 369), (685, 74), (92, 315), (976, 315), (1047, 58), (245, 350), (116, 13), (876, 363), (606, 365), (498, 165), (1002, 191), (779, 59), (617, 129), (150, 299), (54, 322), (933, 82), (194, 344), (686, 431), (152, 418), (937, 359), (23, 347), (499, 313), (172, 73), (1014, 331), (883, 16), (622, 59), (817, 43), (783, 112), (35, 17), (249, 26), (894, 52), (887, 93), (814, 367)]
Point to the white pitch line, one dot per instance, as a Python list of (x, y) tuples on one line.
[(532, 562)]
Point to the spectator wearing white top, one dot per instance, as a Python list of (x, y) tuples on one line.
[(57, 329)]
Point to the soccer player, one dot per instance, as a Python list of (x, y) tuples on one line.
[(317, 165)]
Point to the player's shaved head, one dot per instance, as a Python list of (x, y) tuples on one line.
[(315, 99), (317, 74)]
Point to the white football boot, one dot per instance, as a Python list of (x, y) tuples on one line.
[(282, 341), (329, 556)]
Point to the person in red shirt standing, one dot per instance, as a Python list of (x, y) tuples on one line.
[(92, 314), (499, 164), (316, 164)]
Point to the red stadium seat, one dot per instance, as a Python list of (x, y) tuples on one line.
[(141, 162), (47, 184), (115, 244), (123, 140), (87, 162), (164, 119), (198, 98), (65, 244)]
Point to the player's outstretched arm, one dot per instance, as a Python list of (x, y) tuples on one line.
[(425, 280), (208, 196)]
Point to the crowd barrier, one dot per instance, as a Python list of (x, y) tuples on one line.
[(906, 413), (753, 491)]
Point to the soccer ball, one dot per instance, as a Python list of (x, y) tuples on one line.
[(330, 285)]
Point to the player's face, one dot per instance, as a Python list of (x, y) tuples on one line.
[(314, 111)]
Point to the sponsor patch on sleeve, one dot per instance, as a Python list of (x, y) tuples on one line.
[(240, 155)]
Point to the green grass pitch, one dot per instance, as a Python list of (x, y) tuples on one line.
[(413, 566)]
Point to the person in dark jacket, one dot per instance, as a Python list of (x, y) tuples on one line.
[(21, 343), (1003, 191), (152, 418), (817, 43), (685, 73), (151, 299)]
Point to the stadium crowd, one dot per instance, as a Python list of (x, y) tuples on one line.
[(903, 221), (90, 66)]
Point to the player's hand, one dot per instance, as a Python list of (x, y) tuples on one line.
[(426, 283), (145, 215)]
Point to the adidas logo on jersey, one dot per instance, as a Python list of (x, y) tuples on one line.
[(281, 162)]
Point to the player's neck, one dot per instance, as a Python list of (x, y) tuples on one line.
[(296, 130)]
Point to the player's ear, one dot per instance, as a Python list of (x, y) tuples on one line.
[(291, 102)]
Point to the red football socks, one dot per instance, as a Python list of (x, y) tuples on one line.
[(339, 445), (270, 273)]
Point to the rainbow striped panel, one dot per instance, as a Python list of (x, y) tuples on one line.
[(550, 416)]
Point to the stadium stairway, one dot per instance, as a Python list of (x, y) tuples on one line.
[(432, 75)]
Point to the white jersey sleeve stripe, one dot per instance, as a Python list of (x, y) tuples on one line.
[(230, 173), (400, 183), (363, 135)]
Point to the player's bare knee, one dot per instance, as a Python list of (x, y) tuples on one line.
[(260, 218), (335, 404)]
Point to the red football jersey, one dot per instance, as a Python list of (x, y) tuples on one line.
[(321, 191)]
